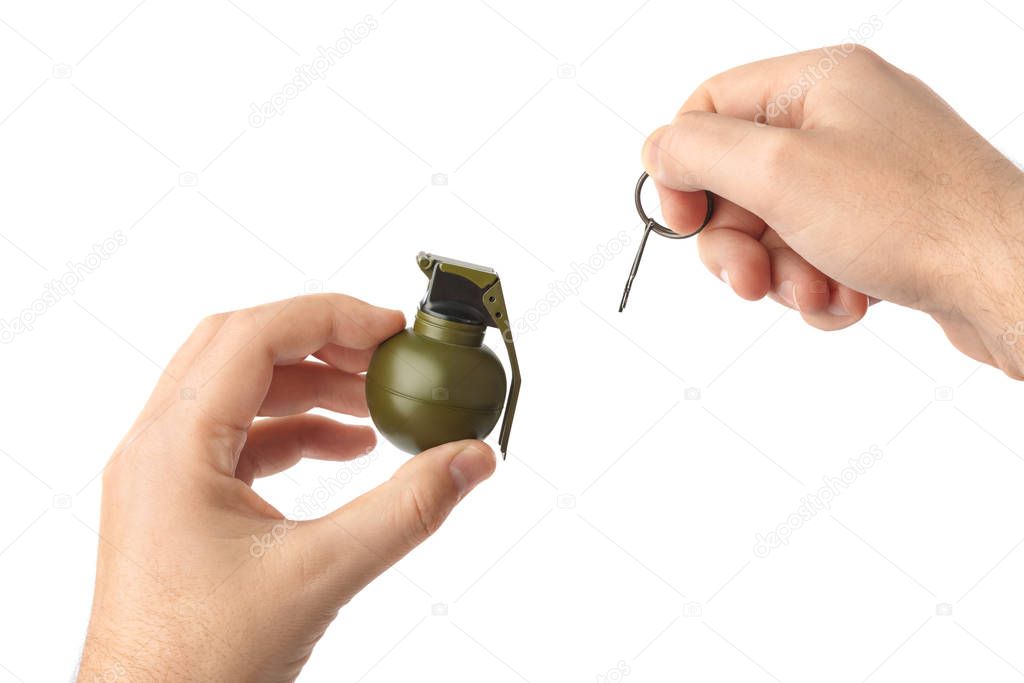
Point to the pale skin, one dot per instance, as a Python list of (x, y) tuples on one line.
[(181, 594), (864, 187), (835, 191)]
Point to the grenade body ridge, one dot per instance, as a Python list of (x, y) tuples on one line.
[(434, 383)]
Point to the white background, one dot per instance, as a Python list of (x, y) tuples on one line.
[(618, 538)]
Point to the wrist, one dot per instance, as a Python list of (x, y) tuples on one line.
[(140, 651), (996, 302), (103, 661)]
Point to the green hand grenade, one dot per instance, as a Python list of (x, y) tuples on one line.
[(436, 381)]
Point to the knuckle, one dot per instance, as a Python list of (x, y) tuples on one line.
[(318, 302), (111, 475), (425, 515), (211, 323), (690, 125), (778, 150), (703, 97), (678, 136), (688, 119), (712, 83), (860, 54), (117, 473), (245, 322)]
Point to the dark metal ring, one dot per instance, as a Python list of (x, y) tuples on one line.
[(661, 229), (651, 225)]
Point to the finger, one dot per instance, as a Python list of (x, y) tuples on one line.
[(276, 444), (179, 364), (795, 282), (770, 91), (737, 259), (353, 545), (201, 336), (747, 164), (846, 307), (234, 372), (822, 302), (302, 386), (345, 359), (684, 211)]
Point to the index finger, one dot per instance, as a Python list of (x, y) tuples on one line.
[(730, 134), (232, 375), (771, 91)]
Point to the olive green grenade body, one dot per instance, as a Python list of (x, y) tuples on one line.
[(436, 381)]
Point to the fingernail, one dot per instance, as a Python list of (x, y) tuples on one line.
[(724, 276), (470, 467), (837, 308), (786, 292), (652, 153)]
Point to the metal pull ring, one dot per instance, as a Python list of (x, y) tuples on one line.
[(652, 225)]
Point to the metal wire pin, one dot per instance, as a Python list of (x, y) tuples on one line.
[(652, 225)]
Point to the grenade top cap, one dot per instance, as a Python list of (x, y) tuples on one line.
[(467, 294), (455, 290)]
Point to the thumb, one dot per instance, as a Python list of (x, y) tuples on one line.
[(356, 543), (742, 161)]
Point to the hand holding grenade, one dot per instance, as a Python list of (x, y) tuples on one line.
[(436, 381)]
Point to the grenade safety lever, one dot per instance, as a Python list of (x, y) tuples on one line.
[(472, 294)]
